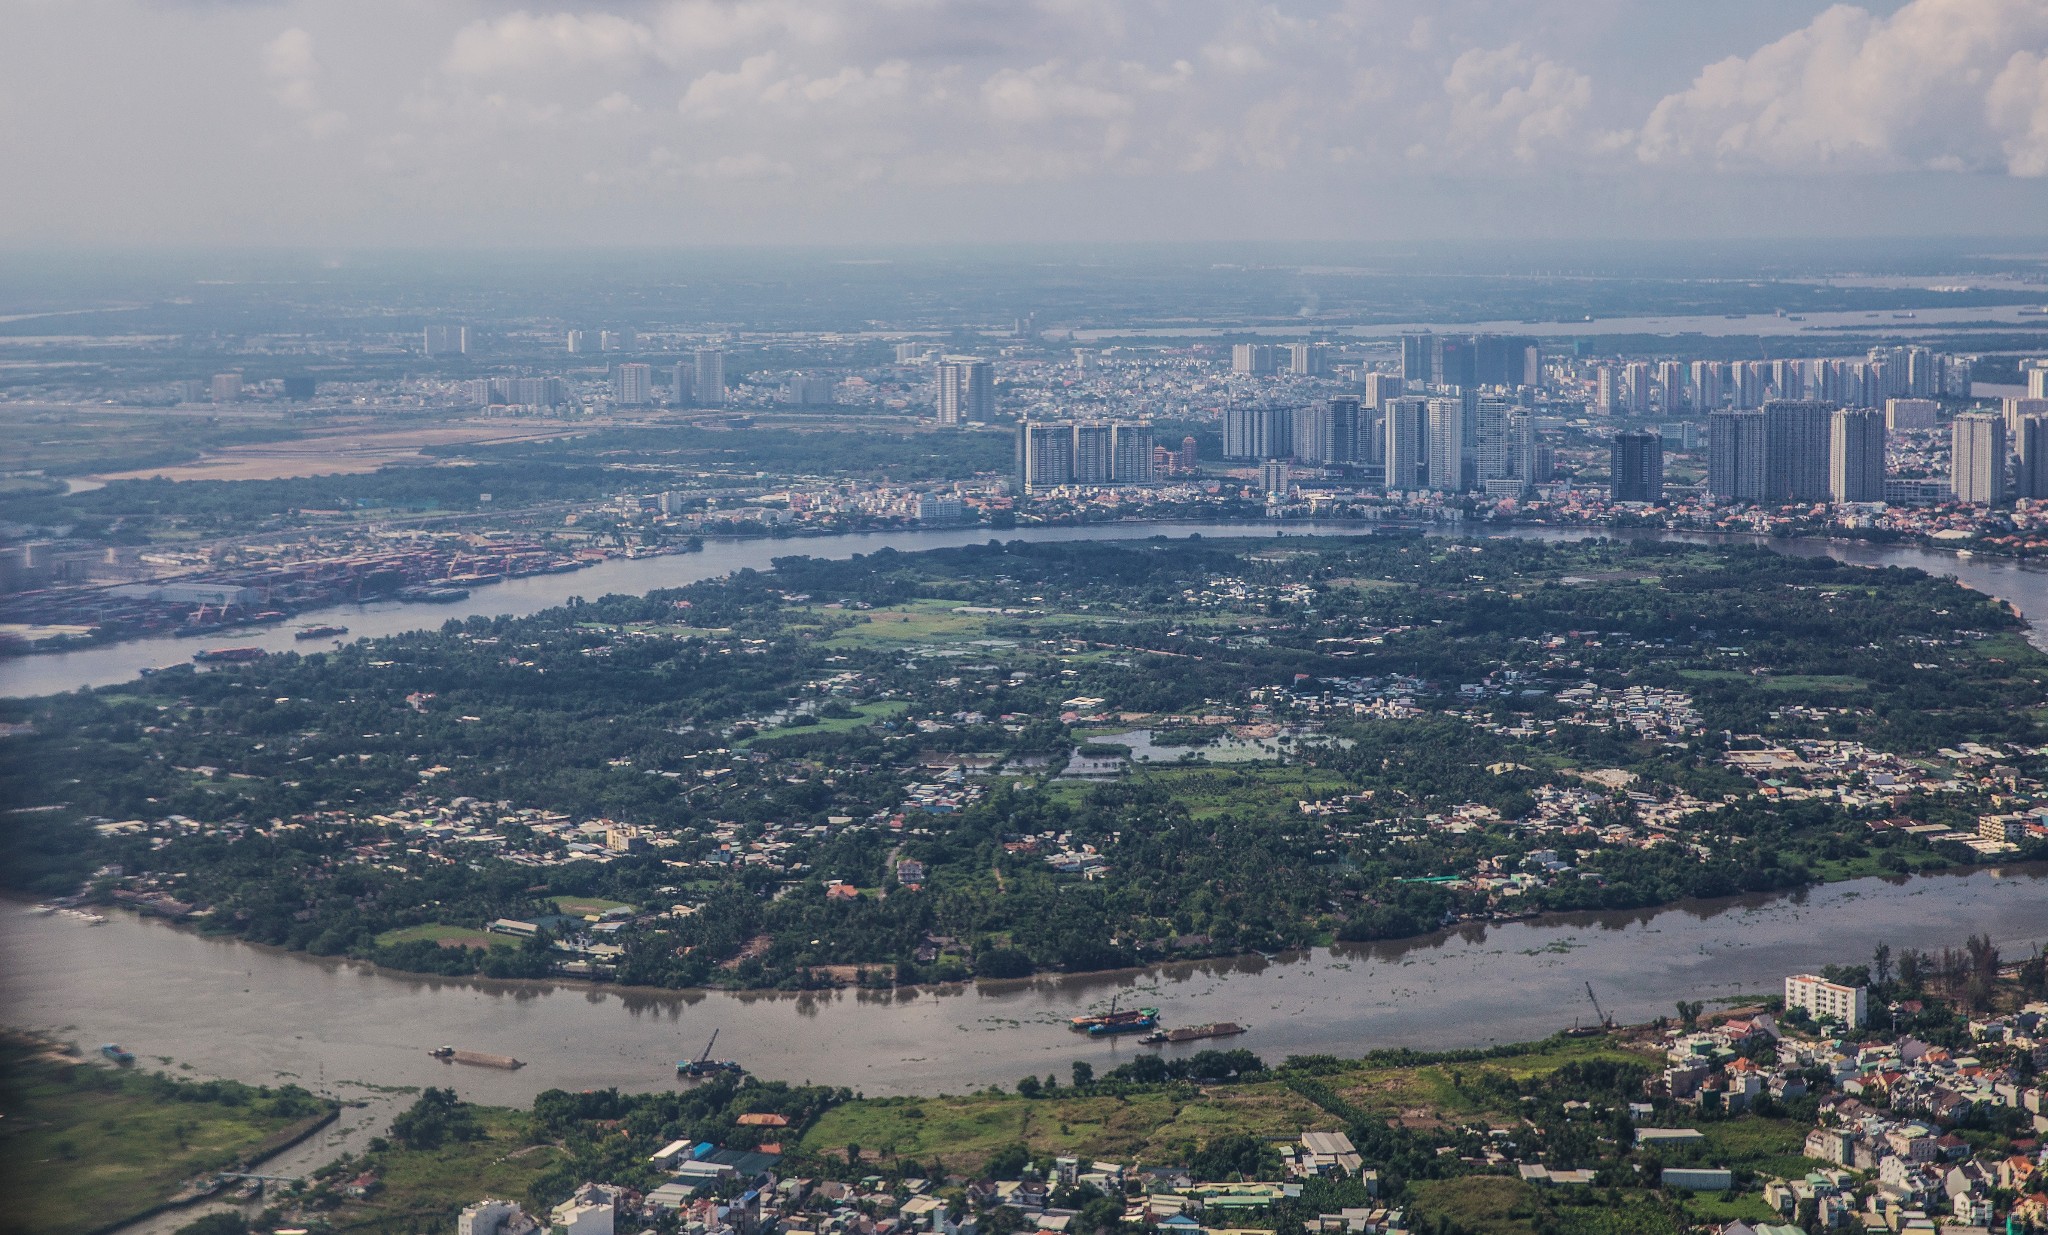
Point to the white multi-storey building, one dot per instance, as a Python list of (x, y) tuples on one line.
[(1823, 999)]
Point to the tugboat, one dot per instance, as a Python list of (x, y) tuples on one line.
[(1138, 1021)]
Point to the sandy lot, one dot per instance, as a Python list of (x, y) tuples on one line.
[(346, 452)]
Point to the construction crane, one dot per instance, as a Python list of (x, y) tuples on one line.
[(1606, 1021)]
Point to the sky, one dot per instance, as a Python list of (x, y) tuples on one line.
[(309, 123)]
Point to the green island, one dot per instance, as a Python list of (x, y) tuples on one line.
[(84, 1147), (1014, 758)]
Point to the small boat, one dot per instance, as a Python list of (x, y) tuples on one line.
[(114, 1051), (318, 632)]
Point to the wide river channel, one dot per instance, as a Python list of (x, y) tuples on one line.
[(231, 1009)]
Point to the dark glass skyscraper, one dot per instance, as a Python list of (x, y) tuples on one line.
[(1636, 466)]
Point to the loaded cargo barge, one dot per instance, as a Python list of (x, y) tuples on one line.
[(228, 655), (1191, 1033), (448, 1054)]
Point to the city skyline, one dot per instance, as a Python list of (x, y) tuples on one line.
[(689, 122)]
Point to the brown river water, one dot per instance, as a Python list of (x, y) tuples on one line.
[(231, 1009)]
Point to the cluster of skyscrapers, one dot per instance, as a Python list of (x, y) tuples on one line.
[(1446, 442), (698, 381), (1799, 451), (1300, 359), (520, 391), (1643, 388), (1052, 453), (1470, 360), (966, 391), (1996, 456)]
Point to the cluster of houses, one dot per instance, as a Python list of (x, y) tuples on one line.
[(1889, 1115), (714, 1191), (1229, 594), (1653, 712)]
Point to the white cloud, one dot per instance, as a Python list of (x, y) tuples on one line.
[(1049, 92), (1531, 103), (2017, 106), (294, 74), (1925, 88), (523, 43)]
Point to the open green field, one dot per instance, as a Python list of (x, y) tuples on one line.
[(1443, 1089), (585, 905), (864, 714), (1499, 1206), (1154, 1127), (965, 1131), (425, 1189), (446, 936), (1819, 683), (83, 1146), (927, 621), (1765, 1146)]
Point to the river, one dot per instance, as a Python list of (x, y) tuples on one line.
[(1822, 326), (232, 1009), (112, 663)]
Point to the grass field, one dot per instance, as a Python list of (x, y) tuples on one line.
[(864, 714), (1434, 1087), (581, 906), (1490, 1205), (1154, 1127), (425, 1189), (924, 621), (85, 1146), (1766, 1146), (446, 936)]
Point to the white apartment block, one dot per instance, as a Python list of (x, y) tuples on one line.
[(1823, 999)]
